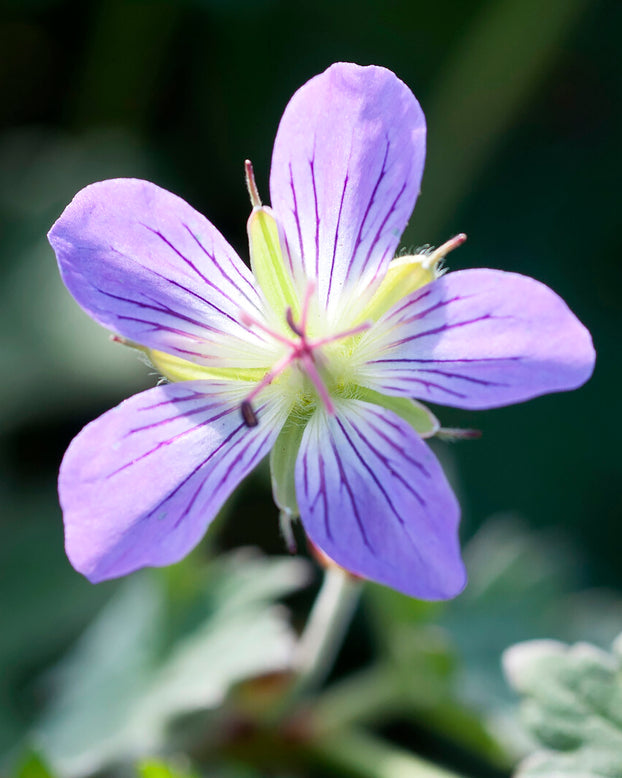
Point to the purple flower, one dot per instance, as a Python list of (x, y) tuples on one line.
[(315, 355)]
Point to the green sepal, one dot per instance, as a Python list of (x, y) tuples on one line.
[(283, 466), (268, 263), (417, 415), (404, 276), (176, 369)]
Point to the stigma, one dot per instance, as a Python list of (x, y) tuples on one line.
[(302, 351)]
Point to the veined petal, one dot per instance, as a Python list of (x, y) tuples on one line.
[(373, 496), (145, 264), (346, 170), (477, 339), (140, 484)]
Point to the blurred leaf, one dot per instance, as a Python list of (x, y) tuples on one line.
[(153, 768), (522, 585), (157, 769), (153, 655), (45, 602), (572, 705), (448, 655), (57, 358), (33, 766), (516, 578)]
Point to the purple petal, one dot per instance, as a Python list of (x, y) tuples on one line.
[(346, 170), (139, 485), (373, 496), (145, 264), (479, 339)]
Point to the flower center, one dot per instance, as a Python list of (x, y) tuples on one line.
[(303, 351)]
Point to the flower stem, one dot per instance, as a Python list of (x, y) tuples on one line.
[(361, 755), (368, 696), (327, 625)]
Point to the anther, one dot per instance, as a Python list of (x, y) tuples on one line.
[(248, 414)]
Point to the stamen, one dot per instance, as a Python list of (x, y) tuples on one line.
[(289, 318), (305, 305), (301, 350), (248, 414), (267, 379), (251, 185), (316, 380), (249, 321), (340, 335)]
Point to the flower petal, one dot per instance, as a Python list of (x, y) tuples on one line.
[(478, 339), (145, 264), (139, 485), (373, 497), (346, 170)]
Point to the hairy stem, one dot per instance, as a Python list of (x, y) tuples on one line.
[(326, 628)]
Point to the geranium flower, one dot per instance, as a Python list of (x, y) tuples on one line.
[(315, 355)]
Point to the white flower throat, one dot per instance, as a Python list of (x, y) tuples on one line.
[(305, 359)]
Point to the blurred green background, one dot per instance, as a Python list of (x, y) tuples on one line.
[(522, 100)]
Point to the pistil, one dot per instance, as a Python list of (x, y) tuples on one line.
[(301, 350)]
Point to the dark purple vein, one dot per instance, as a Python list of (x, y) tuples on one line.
[(394, 312), (372, 474), (345, 483), (410, 379), (422, 314), (396, 474), (169, 441), (185, 414), (201, 464), (192, 291), (227, 278), (372, 199), (431, 361), (160, 308), (461, 377), (317, 217), (295, 210), (332, 263), (445, 327), (400, 449), (374, 242)]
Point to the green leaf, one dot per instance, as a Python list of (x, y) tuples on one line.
[(164, 648), (33, 766), (154, 768), (448, 654), (572, 705)]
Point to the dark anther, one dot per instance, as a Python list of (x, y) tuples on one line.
[(248, 414), (289, 318)]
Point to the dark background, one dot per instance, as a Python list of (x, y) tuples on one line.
[(522, 102)]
